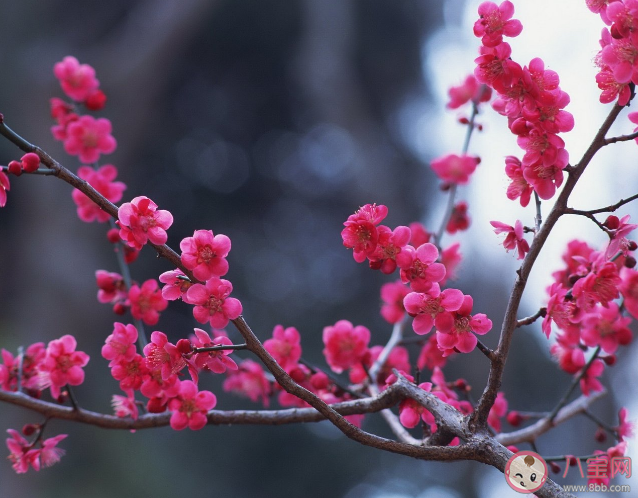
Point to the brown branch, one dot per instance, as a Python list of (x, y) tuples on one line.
[(532, 432), (479, 417), (621, 138), (531, 319), (607, 209)]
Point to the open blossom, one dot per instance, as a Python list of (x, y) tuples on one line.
[(24, 454), (249, 379), (431, 356), (88, 137), (215, 361), (125, 406), (450, 258), (629, 290), (392, 294), (50, 454), (589, 382), (470, 89), (426, 308), (111, 287), (607, 328), (77, 80), (495, 21), (120, 345), (419, 267), (625, 428), (495, 68), (360, 232), (455, 169), (285, 346), (130, 373), (101, 180), (176, 284), (205, 254), (568, 353), (163, 356), (399, 358), (518, 188), (619, 241), (390, 243), (345, 344), (600, 285), (141, 221), (147, 301), (514, 238), (190, 407), (63, 364), (456, 329), (212, 303)]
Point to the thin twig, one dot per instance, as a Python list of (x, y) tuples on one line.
[(541, 313)]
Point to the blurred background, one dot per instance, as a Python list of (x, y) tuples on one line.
[(271, 122)]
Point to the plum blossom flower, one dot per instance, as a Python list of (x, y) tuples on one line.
[(176, 284), (147, 301), (130, 373), (518, 188), (419, 267), (161, 355), (589, 381), (190, 407), (607, 328), (619, 241), (390, 243), (88, 137), (22, 454), (625, 429), (285, 346), (125, 406), (50, 454), (600, 285), (205, 254), (399, 358), (212, 303), (470, 89), (412, 412), (101, 180), (63, 364), (426, 308), (120, 345), (629, 290), (455, 169), (392, 294), (249, 379), (360, 233), (215, 361), (454, 328), (77, 80), (141, 221), (345, 344), (450, 258), (495, 22), (431, 356), (514, 238)]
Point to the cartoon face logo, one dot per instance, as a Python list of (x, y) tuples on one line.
[(526, 472)]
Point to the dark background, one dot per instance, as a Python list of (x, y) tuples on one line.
[(268, 121)]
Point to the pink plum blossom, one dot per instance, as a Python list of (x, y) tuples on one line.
[(177, 284), (141, 221), (190, 407), (392, 294), (360, 233), (212, 303), (5, 186), (455, 169), (345, 344), (419, 267), (101, 180), (147, 301), (120, 345), (249, 380), (470, 89), (426, 308), (215, 361), (63, 364), (88, 137), (285, 346), (514, 238), (454, 328), (205, 254), (77, 80), (495, 22)]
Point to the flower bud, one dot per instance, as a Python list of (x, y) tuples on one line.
[(30, 162), (612, 222), (15, 168)]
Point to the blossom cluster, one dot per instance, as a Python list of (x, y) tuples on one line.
[(592, 301), (32, 371)]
